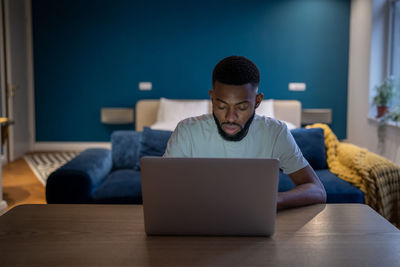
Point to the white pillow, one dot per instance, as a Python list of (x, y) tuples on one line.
[(289, 125), (170, 112), (266, 108), (164, 125)]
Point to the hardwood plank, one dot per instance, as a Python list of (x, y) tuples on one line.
[(20, 185)]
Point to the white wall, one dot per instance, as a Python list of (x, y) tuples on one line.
[(368, 67)]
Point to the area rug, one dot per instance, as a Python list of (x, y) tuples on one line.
[(44, 163)]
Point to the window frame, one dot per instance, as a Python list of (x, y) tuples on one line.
[(391, 46)]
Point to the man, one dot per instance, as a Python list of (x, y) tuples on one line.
[(233, 130)]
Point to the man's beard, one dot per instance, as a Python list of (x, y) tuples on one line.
[(239, 135)]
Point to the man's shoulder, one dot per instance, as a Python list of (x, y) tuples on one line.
[(267, 123), (196, 127), (199, 121)]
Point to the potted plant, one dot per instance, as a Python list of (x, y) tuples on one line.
[(393, 116), (384, 94)]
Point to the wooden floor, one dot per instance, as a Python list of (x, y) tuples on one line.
[(20, 185)]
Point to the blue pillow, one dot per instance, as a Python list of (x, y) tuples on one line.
[(152, 143), (125, 148), (312, 144)]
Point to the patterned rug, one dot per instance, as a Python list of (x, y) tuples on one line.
[(44, 163)]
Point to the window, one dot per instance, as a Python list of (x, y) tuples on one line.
[(394, 46)]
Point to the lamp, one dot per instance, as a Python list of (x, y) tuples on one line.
[(315, 115), (117, 115)]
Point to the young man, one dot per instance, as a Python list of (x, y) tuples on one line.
[(233, 130)]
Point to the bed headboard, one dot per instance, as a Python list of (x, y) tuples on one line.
[(146, 112)]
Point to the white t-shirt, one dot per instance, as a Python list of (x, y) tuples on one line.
[(266, 138)]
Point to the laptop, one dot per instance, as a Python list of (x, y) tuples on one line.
[(209, 196)]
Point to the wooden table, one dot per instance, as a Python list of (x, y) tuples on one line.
[(113, 235)]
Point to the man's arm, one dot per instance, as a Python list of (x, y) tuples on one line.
[(178, 143), (308, 190)]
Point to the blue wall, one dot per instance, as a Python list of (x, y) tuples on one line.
[(90, 54)]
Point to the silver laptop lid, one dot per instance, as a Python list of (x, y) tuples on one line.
[(209, 196)]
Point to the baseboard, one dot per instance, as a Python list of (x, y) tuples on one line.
[(3, 207), (68, 146)]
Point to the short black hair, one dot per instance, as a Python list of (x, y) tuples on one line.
[(236, 70)]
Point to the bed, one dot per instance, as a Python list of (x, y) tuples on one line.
[(147, 111)]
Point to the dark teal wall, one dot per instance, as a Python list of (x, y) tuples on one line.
[(90, 54)]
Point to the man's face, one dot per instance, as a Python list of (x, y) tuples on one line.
[(233, 108)]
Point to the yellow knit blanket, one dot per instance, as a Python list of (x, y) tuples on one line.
[(377, 177)]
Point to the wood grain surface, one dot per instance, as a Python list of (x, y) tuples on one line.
[(113, 235)]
